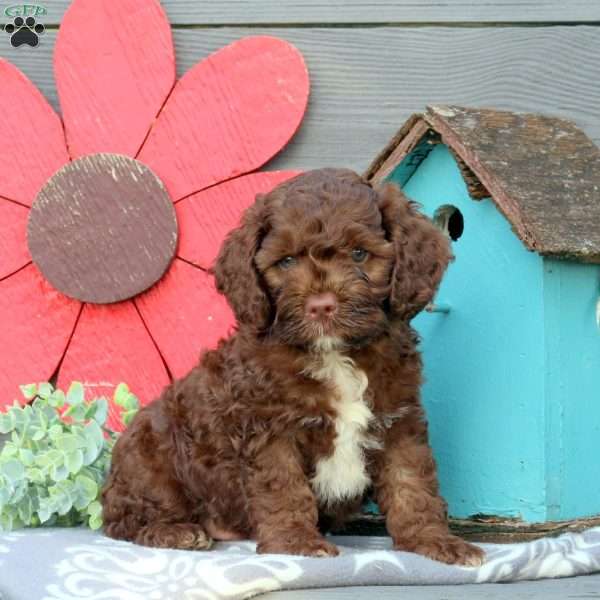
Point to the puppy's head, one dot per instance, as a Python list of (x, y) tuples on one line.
[(324, 256)]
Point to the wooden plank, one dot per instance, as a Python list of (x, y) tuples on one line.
[(112, 75), (13, 241), (185, 314), (28, 154), (111, 239), (493, 530), (366, 82), (185, 12), (205, 218), (36, 323), (587, 586), (111, 345), (543, 174), (237, 126)]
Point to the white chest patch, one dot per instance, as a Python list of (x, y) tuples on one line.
[(343, 474)]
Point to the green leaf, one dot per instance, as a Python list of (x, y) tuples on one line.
[(62, 495), (18, 417), (35, 475), (6, 521), (124, 398), (11, 449), (6, 423), (45, 510), (75, 393), (26, 456), (45, 390), (86, 490), (98, 410), (52, 457), (42, 460), (90, 450), (94, 433), (127, 416), (132, 403), (39, 416), (76, 412), (121, 394), (29, 391), (88, 486), (52, 463), (59, 472), (95, 508), (55, 431), (57, 399), (5, 491), (44, 415), (13, 470), (67, 442), (25, 509), (20, 490), (52, 468), (37, 434), (63, 487), (74, 461), (95, 522), (94, 511)]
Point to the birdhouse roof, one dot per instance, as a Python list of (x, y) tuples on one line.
[(542, 173)]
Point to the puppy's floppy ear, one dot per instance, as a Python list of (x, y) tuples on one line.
[(422, 252), (235, 273)]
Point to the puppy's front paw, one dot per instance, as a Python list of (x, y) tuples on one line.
[(317, 547), (448, 549)]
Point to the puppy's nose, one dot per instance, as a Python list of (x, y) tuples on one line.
[(321, 306)]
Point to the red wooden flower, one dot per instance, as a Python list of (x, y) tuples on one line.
[(110, 218)]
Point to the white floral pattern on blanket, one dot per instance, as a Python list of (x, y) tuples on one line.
[(129, 572), (73, 564), (571, 554), (5, 540)]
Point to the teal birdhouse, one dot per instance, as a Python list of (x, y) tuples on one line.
[(511, 345)]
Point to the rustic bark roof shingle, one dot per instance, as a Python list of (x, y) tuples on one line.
[(543, 173)]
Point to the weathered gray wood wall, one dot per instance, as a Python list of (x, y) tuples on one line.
[(373, 62)]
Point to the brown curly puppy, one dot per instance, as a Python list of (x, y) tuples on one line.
[(314, 400)]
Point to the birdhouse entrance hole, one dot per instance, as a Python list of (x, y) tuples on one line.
[(450, 220)]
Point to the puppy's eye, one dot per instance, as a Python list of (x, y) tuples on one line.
[(359, 255), (287, 262)]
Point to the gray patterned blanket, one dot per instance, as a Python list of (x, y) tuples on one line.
[(61, 564)]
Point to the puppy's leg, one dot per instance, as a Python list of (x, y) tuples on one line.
[(183, 536), (158, 517), (407, 492), (142, 502), (283, 509)]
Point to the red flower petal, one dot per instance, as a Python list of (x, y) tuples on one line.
[(13, 237), (114, 66), (205, 218), (32, 143), (228, 115), (35, 324), (185, 314), (111, 345)]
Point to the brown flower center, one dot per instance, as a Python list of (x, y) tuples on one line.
[(103, 228)]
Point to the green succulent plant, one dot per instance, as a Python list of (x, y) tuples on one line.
[(56, 456)]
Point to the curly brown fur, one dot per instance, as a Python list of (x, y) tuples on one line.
[(314, 400)]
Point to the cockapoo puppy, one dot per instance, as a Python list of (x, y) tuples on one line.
[(313, 401)]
